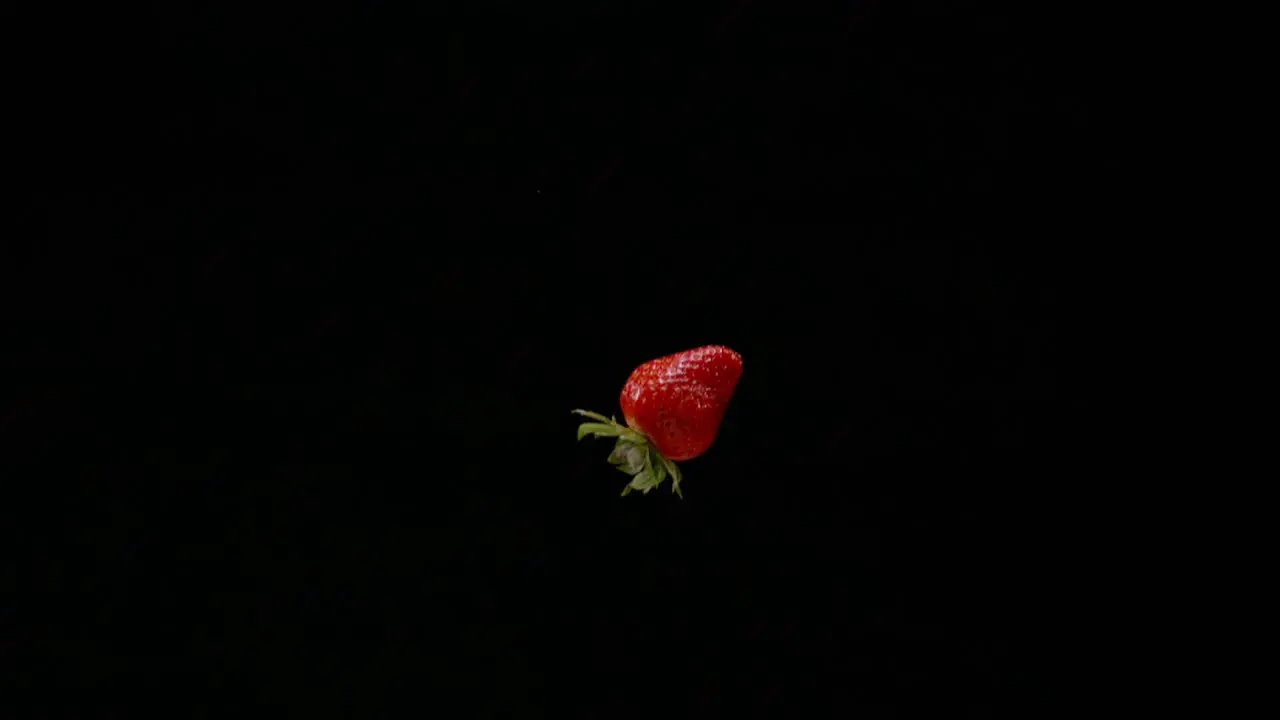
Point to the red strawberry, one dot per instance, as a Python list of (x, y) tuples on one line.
[(673, 407)]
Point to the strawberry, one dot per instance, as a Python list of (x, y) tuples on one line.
[(673, 407)]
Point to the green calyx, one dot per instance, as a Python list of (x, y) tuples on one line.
[(633, 454)]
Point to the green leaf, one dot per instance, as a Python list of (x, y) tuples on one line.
[(627, 457), (595, 416), (644, 481), (656, 469), (620, 452), (597, 429), (635, 459), (659, 473), (665, 463), (675, 475)]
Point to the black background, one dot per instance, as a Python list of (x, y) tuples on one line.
[(316, 293)]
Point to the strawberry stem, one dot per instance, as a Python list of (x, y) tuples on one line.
[(633, 454)]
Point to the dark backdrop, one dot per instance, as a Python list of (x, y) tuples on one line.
[(317, 292)]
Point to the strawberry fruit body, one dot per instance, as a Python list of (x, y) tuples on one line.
[(673, 407)]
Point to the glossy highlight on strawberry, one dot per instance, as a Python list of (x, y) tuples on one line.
[(673, 407)]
